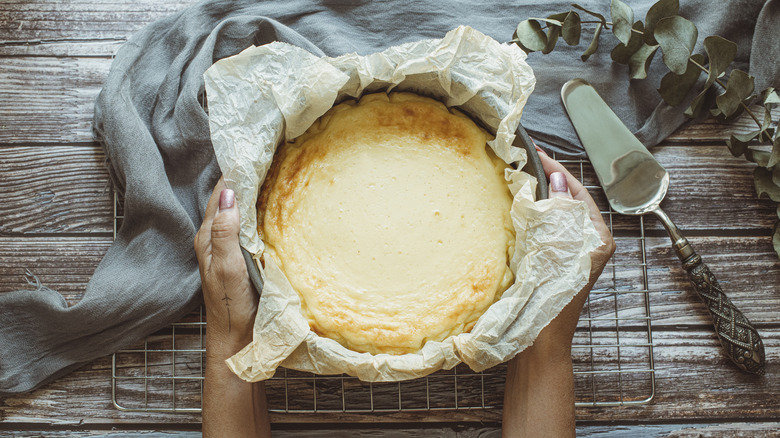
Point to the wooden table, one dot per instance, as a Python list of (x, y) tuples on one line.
[(57, 218)]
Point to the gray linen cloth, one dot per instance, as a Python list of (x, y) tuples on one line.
[(156, 138)]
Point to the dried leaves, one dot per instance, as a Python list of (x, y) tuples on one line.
[(677, 36), (665, 30)]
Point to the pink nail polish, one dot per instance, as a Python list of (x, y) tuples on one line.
[(558, 182), (227, 198)]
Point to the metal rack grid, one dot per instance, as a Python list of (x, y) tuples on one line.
[(612, 352)]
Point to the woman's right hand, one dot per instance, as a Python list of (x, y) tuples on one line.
[(539, 393), (564, 184)]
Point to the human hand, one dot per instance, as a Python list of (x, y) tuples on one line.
[(539, 395), (563, 184), (231, 406), (231, 300)]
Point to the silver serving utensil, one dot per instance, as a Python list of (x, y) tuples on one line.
[(636, 184)]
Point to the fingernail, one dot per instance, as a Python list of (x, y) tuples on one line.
[(558, 182), (227, 198)]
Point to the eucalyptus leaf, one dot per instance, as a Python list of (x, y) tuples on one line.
[(571, 29), (594, 45), (675, 87), (552, 39), (550, 20), (530, 35), (776, 134), (559, 17), (555, 22), (717, 113), (595, 14), (759, 157), (622, 53), (697, 104), (738, 143), (764, 184), (721, 53), (775, 175), (739, 87), (775, 147), (774, 156), (767, 119), (776, 238), (622, 20), (735, 147), (677, 37), (640, 61), (770, 98), (740, 109), (661, 9)]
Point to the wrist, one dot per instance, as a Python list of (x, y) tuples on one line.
[(548, 349), (221, 345)]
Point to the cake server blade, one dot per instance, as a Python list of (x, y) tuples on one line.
[(635, 183)]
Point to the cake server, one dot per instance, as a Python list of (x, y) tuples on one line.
[(636, 184)]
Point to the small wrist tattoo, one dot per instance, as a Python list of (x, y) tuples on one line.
[(227, 300)]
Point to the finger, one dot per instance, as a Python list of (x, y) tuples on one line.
[(203, 238), (550, 166), (559, 187), (225, 248), (580, 193), (213, 205), (577, 190)]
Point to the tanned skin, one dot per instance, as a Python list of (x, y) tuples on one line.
[(539, 394), (231, 406)]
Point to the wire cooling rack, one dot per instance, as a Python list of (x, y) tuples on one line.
[(612, 352)]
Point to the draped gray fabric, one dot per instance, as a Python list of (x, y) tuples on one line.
[(156, 137)]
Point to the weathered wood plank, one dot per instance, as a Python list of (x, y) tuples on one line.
[(694, 382), (710, 130), (55, 28), (49, 100), (64, 264), (746, 429), (731, 430), (61, 189), (710, 191), (746, 268)]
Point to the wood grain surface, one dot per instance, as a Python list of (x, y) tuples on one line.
[(56, 222), (737, 430)]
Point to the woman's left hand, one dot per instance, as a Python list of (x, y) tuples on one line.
[(231, 300), (231, 406)]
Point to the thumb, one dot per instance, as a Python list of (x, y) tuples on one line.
[(224, 229), (559, 186)]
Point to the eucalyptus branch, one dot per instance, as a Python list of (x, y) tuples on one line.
[(719, 82), (665, 31)]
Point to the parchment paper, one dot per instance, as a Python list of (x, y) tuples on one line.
[(268, 93)]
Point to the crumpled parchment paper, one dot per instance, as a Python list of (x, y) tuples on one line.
[(268, 93)]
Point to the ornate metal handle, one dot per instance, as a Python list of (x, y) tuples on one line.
[(739, 338)]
